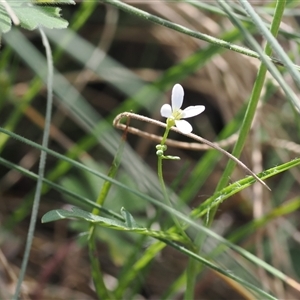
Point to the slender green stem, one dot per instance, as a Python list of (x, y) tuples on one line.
[(111, 174), (166, 196), (251, 109), (272, 42), (42, 164), (191, 275), (165, 136), (161, 177), (97, 275), (196, 34), (191, 268)]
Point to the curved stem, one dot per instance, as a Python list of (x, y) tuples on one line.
[(42, 164), (197, 138)]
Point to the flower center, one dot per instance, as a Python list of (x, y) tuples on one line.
[(177, 114)]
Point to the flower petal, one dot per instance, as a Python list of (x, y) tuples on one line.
[(192, 111), (166, 110), (177, 96), (184, 126)]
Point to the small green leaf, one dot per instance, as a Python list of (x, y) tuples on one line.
[(60, 214), (129, 220)]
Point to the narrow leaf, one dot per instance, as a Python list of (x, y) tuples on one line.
[(129, 225)]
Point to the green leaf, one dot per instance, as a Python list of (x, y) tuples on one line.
[(5, 21), (60, 214), (128, 225), (32, 16)]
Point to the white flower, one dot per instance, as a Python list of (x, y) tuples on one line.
[(175, 114)]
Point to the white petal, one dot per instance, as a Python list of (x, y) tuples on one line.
[(177, 96), (184, 126), (166, 110), (192, 111)]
